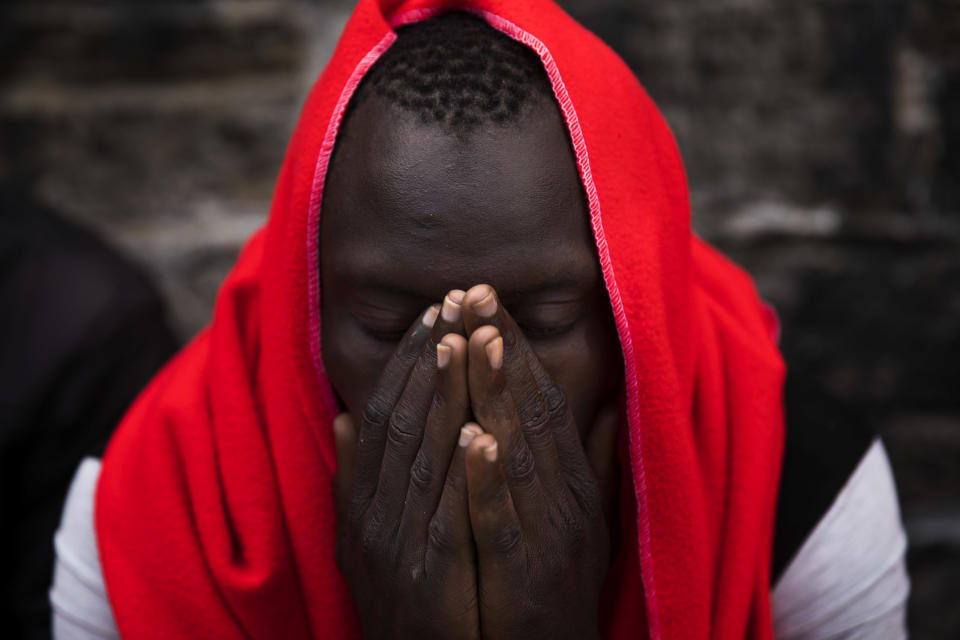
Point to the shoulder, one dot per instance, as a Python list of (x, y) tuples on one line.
[(78, 596), (839, 557)]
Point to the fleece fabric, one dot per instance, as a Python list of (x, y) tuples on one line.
[(214, 512)]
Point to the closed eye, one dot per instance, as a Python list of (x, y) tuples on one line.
[(540, 330), (391, 336), (544, 321), (543, 333), (383, 325)]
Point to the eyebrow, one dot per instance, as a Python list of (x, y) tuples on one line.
[(551, 284), (385, 286), (371, 276), (372, 283)]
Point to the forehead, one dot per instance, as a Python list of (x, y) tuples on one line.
[(502, 204)]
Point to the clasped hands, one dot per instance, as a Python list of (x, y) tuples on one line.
[(467, 506)]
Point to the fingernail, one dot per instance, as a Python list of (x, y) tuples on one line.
[(443, 355), (430, 316), (450, 310), (467, 434), (494, 351), (490, 453), (487, 307), (457, 295)]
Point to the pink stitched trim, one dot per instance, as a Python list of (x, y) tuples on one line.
[(596, 221), (313, 213)]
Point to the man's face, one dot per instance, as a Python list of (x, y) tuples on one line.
[(410, 212)]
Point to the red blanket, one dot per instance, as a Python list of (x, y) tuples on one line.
[(214, 511)]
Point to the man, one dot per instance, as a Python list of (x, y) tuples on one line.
[(583, 439)]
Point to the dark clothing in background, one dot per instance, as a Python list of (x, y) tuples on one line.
[(81, 332)]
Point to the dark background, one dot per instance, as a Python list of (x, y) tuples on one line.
[(822, 141)]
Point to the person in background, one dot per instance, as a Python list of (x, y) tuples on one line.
[(82, 331)]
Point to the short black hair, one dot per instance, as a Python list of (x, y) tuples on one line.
[(456, 71)]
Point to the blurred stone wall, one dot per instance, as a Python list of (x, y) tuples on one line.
[(822, 142)]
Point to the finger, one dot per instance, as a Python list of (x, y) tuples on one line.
[(407, 422), (449, 536), (496, 528), (561, 458), (448, 413), (494, 409), (373, 424), (451, 315), (574, 464), (345, 439), (602, 454), (482, 307), (479, 311)]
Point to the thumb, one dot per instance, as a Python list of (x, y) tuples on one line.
[(601, 452), (345, 439)]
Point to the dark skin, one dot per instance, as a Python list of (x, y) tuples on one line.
[(476, 453)]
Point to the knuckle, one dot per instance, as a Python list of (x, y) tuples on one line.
[(403, 427), (506, 539), (400, 442), (440, 538), (520, 463), (556, 400), (535, 426), (377, 410), (531, 403), (421, 473)]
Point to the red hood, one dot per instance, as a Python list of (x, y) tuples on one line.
[(214, 510)]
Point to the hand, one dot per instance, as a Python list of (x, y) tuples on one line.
[(536, 507), (403, 535)]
